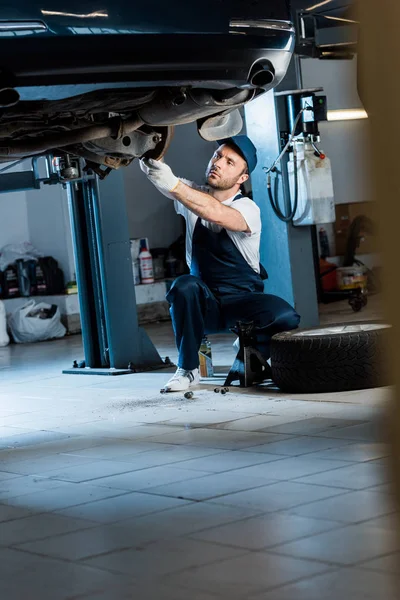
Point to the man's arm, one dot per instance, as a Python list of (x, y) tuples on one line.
[(201, 204), (208, 208)]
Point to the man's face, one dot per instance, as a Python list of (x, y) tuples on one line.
[(226, 169)]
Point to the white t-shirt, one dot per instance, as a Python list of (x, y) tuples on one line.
[(248, 244)]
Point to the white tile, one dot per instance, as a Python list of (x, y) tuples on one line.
[(312, 425), (91, 471), (12, 513), (354, 477), (22, 486), (207, 487), (264, 531), (351, 507), (215, 438), (249, 574), (227, 461), (186, 519), (290, 468), (64, 495), (37, 527), (386, 564), (111, 510), (356, 452), (278, 496), (353, 584), (147, 478), (40, 577), (344, 546), (77, 545), (149, 561), (299, 445)]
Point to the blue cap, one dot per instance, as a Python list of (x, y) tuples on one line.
[(246, 148)]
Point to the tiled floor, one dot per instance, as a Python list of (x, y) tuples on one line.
[(111, 491)]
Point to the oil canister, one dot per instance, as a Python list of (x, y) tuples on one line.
[(205, 359)]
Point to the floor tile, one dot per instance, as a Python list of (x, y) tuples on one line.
[(387, 564), (147, 478), (212, 438), (351, 507), (344, 546), (77, 545), (63, 496), (245, 575), (119, 508), (31, 438), (278, 496), (91, 471), (291, 468), (354, 477), (11, 513), (297, 446), (353, 584), (371, 431), (207, 487), (264, 531), (37, 527), (312, 425), (356, 452), (186, 520), (227, 461), (76, 451), (31, 576), (153, 560)]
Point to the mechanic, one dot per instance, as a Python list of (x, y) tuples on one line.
[(225, 285)]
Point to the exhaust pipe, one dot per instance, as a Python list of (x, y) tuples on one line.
[(262, 74), (8, 97)]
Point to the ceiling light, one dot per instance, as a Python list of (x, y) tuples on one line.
[(348, 114)]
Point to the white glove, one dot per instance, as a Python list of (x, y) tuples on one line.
[(160, 175)]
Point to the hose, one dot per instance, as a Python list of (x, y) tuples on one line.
[(274, 196)]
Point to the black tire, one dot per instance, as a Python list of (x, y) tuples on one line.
[(315, 362)]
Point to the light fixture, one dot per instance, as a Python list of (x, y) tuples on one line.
[(93, 15), (347, 114)]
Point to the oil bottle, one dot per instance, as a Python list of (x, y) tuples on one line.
[(205, 359)]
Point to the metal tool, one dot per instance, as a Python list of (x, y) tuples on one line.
[(249, 366)]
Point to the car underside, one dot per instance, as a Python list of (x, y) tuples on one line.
[(110, 98)]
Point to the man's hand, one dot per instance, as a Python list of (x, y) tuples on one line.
[(160, 175)]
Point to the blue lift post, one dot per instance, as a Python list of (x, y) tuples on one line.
[(286, 251), (113, 342)]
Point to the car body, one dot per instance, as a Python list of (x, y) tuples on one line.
[(108, 84)]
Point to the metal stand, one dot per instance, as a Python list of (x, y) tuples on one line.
[(249, 366), (113, 342)]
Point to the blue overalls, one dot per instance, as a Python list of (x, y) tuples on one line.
[(222, 289)]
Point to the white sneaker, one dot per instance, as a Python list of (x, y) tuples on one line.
[(182, 380)]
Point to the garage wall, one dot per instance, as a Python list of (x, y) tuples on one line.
[(40, 217), (13, 219), (152, 215), (49, 226), (345, 142)]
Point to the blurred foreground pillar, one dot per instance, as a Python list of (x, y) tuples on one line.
[(379, 88)]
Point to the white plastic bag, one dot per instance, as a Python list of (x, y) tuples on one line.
[(12, 252), (26, 325), (4, 339)]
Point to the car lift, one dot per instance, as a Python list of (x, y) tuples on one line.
[(113, 342)]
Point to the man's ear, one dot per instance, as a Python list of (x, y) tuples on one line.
[(243, 178)]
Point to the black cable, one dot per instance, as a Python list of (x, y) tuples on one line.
[(275, 200)]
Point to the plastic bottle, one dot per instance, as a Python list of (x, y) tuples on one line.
[(146, 263), (205, 359), (324, 243)]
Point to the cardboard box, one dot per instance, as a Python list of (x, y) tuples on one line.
[(345, 214)]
